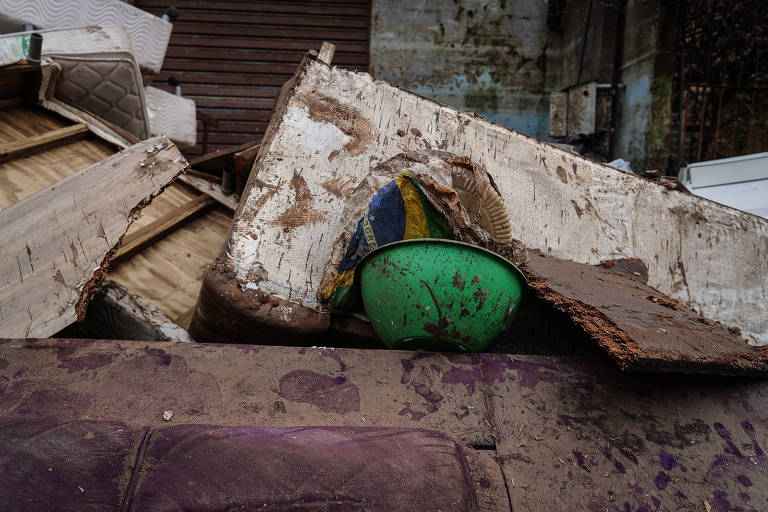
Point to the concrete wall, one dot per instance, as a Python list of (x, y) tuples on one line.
[(502, 58), (482, 56), (644, 107)]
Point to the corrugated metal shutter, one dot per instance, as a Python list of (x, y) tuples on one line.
[(232, 57)]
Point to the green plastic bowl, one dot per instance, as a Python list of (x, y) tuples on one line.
[(439, 294)]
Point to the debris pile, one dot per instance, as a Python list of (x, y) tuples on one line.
[(110, 233)]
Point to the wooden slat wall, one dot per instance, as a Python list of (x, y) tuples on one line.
[(232, 57)]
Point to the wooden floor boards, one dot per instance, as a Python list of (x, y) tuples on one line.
[(168, 272)]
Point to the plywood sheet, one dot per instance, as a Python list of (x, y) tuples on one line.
[(56, 242), (22, 177)]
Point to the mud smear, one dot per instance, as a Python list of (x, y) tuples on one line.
[(302, 212), (323, 109)]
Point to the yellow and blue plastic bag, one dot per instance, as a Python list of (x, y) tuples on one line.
[(399, 211)]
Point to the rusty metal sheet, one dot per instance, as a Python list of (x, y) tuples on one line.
[(640, 328)]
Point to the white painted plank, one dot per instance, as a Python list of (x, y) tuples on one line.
[(53, 244), (338, 124)]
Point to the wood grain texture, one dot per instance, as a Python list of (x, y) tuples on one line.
[(168, 273), (137, 240), (55, 243), (36, 144), (23, 177), (21, 123), (336, 125)]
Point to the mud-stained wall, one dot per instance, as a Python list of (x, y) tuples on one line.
[(483, 56), (643, 111)]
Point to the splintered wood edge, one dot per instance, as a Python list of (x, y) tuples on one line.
[(115, 183), (81, 307), (625, 351)]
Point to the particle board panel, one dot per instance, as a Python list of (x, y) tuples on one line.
[(640, 328), (55, 242)]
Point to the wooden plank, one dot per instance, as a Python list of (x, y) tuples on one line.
[(232, 57), (168, 273), (216, 160), (640, 328), (23, 177), (138, 240), (243, 165), (117, 314), (57, 243), (211, 65), (17, 124), (211, 189), (240, 42), (12, 102), (294, 57), (197, 91), (326, 53), (324, 20), (34, 145), (270, 31), (157, 7)]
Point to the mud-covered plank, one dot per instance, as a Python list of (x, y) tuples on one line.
[(580, 435), (55, 244), (244, 385), (639, 327)]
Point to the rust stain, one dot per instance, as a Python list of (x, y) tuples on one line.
[(324, 109), (302, 212)]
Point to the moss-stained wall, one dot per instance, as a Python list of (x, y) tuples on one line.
[(484, 56)]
